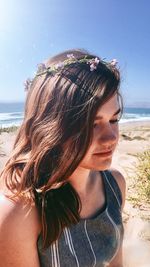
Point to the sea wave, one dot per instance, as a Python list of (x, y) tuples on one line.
[(129, 117), (11, 119), (16, 118), (123, 120)]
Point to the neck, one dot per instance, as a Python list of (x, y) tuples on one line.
[(81, 180)]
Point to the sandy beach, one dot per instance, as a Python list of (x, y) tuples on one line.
[(134, 138)]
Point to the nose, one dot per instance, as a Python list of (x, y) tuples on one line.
[(108, 135)]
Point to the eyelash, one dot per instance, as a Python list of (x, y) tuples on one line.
[(114, 121), (111, 121)]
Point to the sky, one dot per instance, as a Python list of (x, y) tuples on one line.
[(32, 31)]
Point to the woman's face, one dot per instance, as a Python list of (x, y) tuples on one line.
[(105, 137)]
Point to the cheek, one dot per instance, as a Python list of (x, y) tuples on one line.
[(115, 133), (89, 152), (116, 130)]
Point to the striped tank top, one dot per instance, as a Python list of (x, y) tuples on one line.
[(91, 242)]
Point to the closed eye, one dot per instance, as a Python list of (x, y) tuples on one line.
[(114, 121), (117, 119), (118, 113)]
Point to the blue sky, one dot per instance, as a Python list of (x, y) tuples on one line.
[(31, 31)]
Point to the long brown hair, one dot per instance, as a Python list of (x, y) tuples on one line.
[(54, 137)]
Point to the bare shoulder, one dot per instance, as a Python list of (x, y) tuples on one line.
[(13, 211), (19, 230), (121, 183), (119, 178)]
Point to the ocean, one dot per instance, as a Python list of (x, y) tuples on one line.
[(11, 114)]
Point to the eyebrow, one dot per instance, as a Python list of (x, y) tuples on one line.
[(100, 117)]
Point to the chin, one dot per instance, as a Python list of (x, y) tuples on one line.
[(103, 167), (99, 165)]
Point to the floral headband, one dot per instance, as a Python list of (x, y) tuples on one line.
[(93, 63)]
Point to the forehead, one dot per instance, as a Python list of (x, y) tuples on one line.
[(110, 107)]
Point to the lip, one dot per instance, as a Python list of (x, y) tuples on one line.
[(106, 153)]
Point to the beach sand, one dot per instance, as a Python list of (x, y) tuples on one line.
[(134, 138)]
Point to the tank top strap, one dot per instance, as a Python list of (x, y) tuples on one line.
[(111, 188)]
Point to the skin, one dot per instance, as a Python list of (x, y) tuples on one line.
[(17, 244), (105, 138), (86, 178)]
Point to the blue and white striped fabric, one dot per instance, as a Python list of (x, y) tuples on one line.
[(91, 242)]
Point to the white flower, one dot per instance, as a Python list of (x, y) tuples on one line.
[(59, 65), (97, 60), (113, 62), (93, 67), (71, 56), (93, 63), (27, 84)]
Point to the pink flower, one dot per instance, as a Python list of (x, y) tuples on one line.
[(41, 67), (93, 67), (71, 56), (93, 63)]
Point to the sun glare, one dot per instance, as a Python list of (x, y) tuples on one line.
[(8, 14)]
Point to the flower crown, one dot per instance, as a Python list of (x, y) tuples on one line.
[(93, 63)]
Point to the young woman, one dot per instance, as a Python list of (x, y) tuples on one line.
[(60, 202)]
